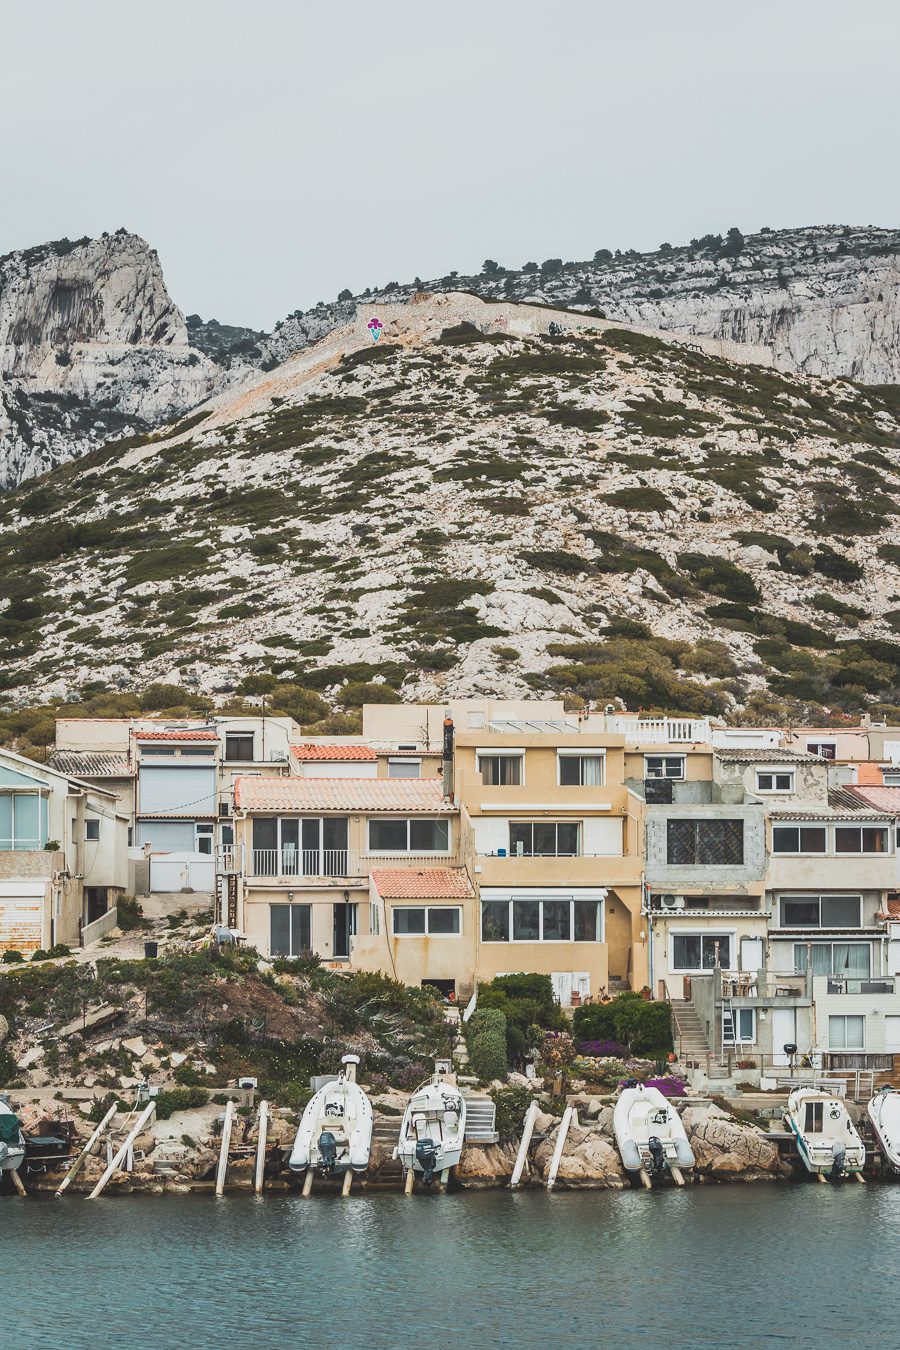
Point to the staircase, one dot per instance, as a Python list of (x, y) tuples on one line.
[(481, 1113), (691, 1042)]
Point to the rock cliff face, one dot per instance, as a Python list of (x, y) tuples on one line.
[(91, 347)]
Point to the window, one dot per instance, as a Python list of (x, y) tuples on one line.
[(850, 960), (374, 919), (799, 839), (157, 750), (501, 770), (742, 1029), (204, 839), (92, 830), (409, 836), (21, 814), (544, 839), (769, 781), (847, 1032), (579, 770), (196, 751), (890, 778), (860, 839), (815, 1112), (311, 846), (698, 951), (820, 911), (289, 929), (707, 843), (239, 746), (427, 921), (529, 919), (404, 768), (226, 834), (224, 809), (664, 766), (825, 749)]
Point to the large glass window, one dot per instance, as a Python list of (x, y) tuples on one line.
[(427, 920), (530, 919), (580, 770), (860, 839), (707, 843), (20, 821), (847, 1032), (409, 836), (821, 911), (309, 846), (799, 839), (544, 839), (289, 929), (698, 951), (852, 960), (501, 770)]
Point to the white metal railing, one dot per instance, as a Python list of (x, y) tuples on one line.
[(306, 862), (230, 859), (661, 730), (448, 858)]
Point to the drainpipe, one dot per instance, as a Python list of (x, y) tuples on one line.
[(448, 756)]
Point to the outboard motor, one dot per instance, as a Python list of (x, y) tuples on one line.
[(657, 1167), (327, 1151), (839, 1165), (427, 1155)]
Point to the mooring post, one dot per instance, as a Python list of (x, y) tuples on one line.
[(522, 1155), (259, 1179), (348, 1182), (409, 1180), (223, 1151), (106, 1123), (17, 1182), (308, 1181), (123, 1151), (560, 1144)]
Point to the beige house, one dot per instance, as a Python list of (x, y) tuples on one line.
[(63, 857)]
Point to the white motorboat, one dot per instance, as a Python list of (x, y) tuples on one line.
[(826, 1137), (335, 1132), (433, 1130), (12, 1140), (884, 1113), (650, 1135)]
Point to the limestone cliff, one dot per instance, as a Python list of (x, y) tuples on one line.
[(91, 347)]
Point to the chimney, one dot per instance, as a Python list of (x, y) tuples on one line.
[(448, 756)]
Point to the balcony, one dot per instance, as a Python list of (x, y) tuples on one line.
[(839, 984), (558, 869), (762, 985), (306, 862), (661, 730)]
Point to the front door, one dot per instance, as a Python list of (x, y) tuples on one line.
[(344, 929), (784, 1032)]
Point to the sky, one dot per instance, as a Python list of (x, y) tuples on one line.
[(276, 152)]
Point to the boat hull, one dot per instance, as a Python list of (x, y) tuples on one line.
[(342, 1111), (884, 1113), (642, 1113), (827, 1140), (435, 1112)]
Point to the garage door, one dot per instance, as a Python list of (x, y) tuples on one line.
[(181, 872), (21, 915)]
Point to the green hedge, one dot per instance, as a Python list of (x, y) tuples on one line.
[(486, 1043), (525, 1001), (643, 1025)]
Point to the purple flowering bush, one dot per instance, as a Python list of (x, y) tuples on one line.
[(670, 1086), (603, 1049)]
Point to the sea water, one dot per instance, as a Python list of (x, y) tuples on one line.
[(710, 1266)]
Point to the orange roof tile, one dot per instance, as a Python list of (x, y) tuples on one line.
[(885, 799), (178, 734), (332, 753), (412, 796), (432, 883)]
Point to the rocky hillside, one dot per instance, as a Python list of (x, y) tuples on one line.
[(473, 505), (91, 347)]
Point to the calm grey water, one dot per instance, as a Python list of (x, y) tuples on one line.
[(728, 1266)]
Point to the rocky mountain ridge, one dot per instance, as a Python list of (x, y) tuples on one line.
[(476, 504), (92, 346)]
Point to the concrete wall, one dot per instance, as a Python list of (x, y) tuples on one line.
[(423, 723), (676, 877), (93, 932), (108, 735)]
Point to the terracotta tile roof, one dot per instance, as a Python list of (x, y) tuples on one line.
[(412, 796), (432, 883), (893, 907), (881, 798), (178, 734), (332, 753), (87, 764)]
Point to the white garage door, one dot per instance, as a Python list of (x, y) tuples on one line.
[(181, 871), (21, 915)]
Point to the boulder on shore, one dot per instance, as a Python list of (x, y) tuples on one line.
[(727, 1149), (589, 1160), (484, 1165)]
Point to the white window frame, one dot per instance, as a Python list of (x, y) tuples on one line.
[(832, 944), (817, 748), (775, 774), (845, 1017), (737, 1014), (204, 830), (576, 752), (427, 910), (859, 853), (675, 777), (819, 896), (799, 825), (398, 762), (406, 852), (711, 933), (501, 752), (92, 821), (890, 777), (579, 825), (598, 897)]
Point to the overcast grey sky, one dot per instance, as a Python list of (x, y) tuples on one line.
[(277, 151)]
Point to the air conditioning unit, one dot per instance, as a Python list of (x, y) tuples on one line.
[(672, 901)]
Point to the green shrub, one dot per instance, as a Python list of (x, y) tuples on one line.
[(179, 1099), (512, 1104), (643, 1025), (11, 957), (639, 499), (486, 1043), (718, 576)]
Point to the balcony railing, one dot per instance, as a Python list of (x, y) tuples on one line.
[(661, 730), (869, 984), (306, 862), (541, 857), (761, 984)]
